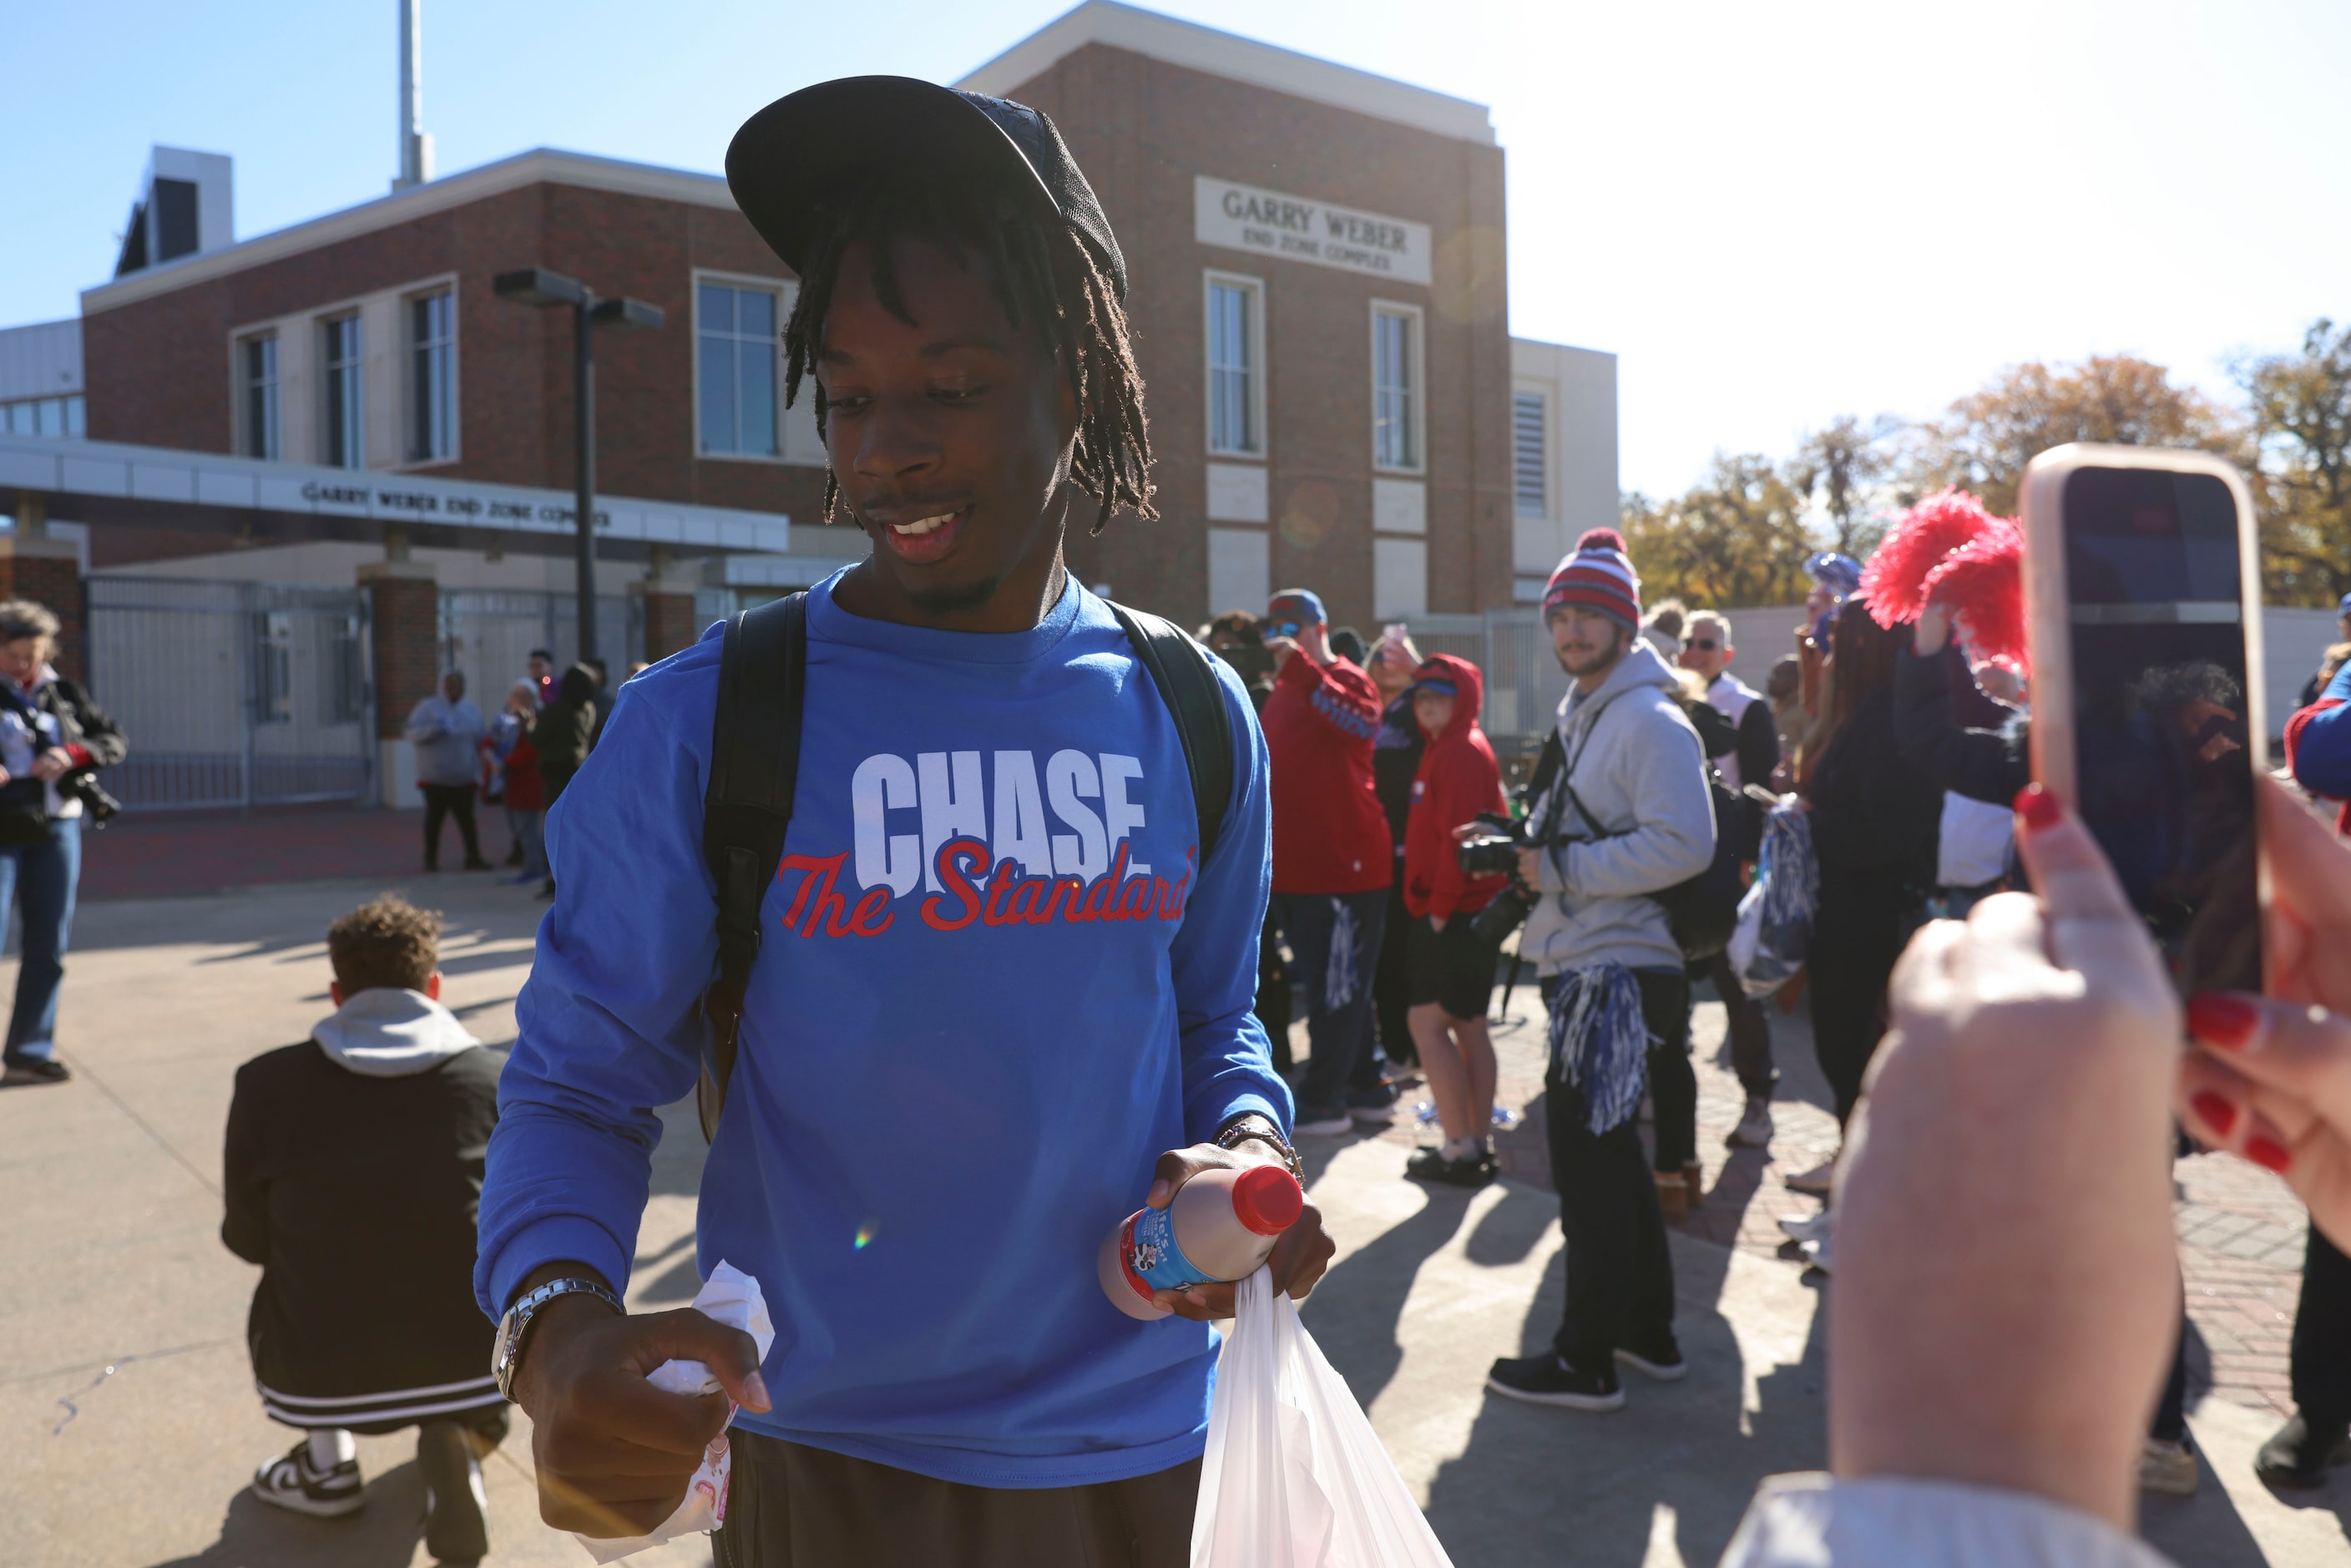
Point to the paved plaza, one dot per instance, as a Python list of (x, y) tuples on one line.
[(113, 1260)]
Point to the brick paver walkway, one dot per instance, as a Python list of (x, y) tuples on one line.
[(158, 854), (2241, 1229)]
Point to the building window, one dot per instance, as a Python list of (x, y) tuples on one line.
[(346, 444), (258, 366), (433, 377), (1530, 466), (1236, 332), (58, 416), (1395, 387), (736, 345)]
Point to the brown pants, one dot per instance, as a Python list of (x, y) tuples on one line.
[(790, 1506)]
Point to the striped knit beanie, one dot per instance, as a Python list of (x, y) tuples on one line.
[(1598, 575)]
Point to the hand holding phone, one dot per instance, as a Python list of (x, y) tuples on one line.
[(2142, 593)]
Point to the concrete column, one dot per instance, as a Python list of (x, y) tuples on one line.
[(48, 571), (405, 638), (669, 615)]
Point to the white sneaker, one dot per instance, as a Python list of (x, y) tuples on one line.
[(1808, 1227), (1817, 1253), (288, 1481), (1816, 1181), (1754, 1129), (1329, 1126)]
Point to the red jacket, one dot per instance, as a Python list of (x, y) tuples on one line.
[(1458, 778), (1329, 833)]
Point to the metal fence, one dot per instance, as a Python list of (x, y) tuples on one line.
[(234, 693), (488, 633)]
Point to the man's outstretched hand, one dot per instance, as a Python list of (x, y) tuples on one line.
[(1298, 1258), (614, 1453)]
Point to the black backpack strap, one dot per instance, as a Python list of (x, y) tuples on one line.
[(755, 753), (1186, 679)]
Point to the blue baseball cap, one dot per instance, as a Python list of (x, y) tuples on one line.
[(1299, 604), (2342, 606), (1837, 572)]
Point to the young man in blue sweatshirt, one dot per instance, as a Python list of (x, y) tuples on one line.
[(999, 999)]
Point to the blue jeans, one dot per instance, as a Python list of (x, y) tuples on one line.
[(1336, 937), (529, 830), (43, 878)]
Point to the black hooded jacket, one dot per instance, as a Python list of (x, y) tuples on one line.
[(566, 730)]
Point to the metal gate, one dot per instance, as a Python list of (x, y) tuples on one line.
[(488, 634), (234, 693)]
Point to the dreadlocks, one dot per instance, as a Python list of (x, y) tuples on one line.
[(1037, 273)]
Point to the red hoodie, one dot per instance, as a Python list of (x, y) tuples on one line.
[(1458, 778), (1329, 834)]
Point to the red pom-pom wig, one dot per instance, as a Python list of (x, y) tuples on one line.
[(1895, 580), (1983, 582)]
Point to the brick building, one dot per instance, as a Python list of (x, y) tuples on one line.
[(1318, 289)]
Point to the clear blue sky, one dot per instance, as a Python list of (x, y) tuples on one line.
[(1774, 214)]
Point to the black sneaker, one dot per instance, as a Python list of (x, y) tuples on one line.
[(1659, 1359), (2301, 1454), (51, 1071), (1548, 1379), (1430, 1165), (288, 1481)]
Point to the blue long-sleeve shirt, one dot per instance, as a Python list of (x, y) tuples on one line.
[(992, 989), (2318, 741)]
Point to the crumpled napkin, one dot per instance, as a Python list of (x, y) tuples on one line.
[(733, 1298)]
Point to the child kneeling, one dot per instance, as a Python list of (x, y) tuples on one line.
[(354, 1178)]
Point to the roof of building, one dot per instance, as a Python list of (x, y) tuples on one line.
[(1199, 48), (43, 360), (540, 166)]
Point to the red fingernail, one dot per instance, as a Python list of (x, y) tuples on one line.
[(2038, 807), (2218, 1017), (2268, 1152), (2215, 1112)]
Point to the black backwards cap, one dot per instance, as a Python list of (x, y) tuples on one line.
[(808, 149)]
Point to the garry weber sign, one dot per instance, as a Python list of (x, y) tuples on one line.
[(1249, 217)]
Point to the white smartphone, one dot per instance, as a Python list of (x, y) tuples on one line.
[(2142, 601)]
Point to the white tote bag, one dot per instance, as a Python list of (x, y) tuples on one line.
[(1294, 1477)]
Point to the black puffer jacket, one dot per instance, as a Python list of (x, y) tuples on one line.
[(83, 727), (1981, 754), (566, 730), (1873, 810), (359, 1198)]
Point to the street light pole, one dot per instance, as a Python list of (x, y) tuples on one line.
[(539, 286), (584, 437)]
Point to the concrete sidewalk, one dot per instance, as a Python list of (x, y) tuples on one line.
[(114, 1260)]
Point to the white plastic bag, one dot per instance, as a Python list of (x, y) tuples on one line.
[(733, 1298), (1294, 1477)]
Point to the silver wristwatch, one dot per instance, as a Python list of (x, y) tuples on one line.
[(506, 1354)]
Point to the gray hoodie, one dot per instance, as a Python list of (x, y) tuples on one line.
[(1638, 769), (448, 738), (386, 1033)]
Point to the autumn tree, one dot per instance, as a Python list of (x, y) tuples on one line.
[(1842, 467), (1985, 440), (2300, 410), (1736, 539)]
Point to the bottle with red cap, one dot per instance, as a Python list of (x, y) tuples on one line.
[(1220, 1226)]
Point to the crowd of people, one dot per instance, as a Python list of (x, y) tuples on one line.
[(520, 759), (1035, 912)]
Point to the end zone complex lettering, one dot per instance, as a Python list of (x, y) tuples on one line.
[(1246, 217), (989, 838)]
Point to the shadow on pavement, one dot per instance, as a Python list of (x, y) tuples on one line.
[(1352, 1313), (383, 1534)]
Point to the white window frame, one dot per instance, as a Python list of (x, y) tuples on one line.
[(409, 299), (273, 448), (1254, 287), (786, 292), (1549, 467), (321, 324), (1417, 352)]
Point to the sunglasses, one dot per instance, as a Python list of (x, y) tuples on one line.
[(1283, 629), (1709, 644)]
